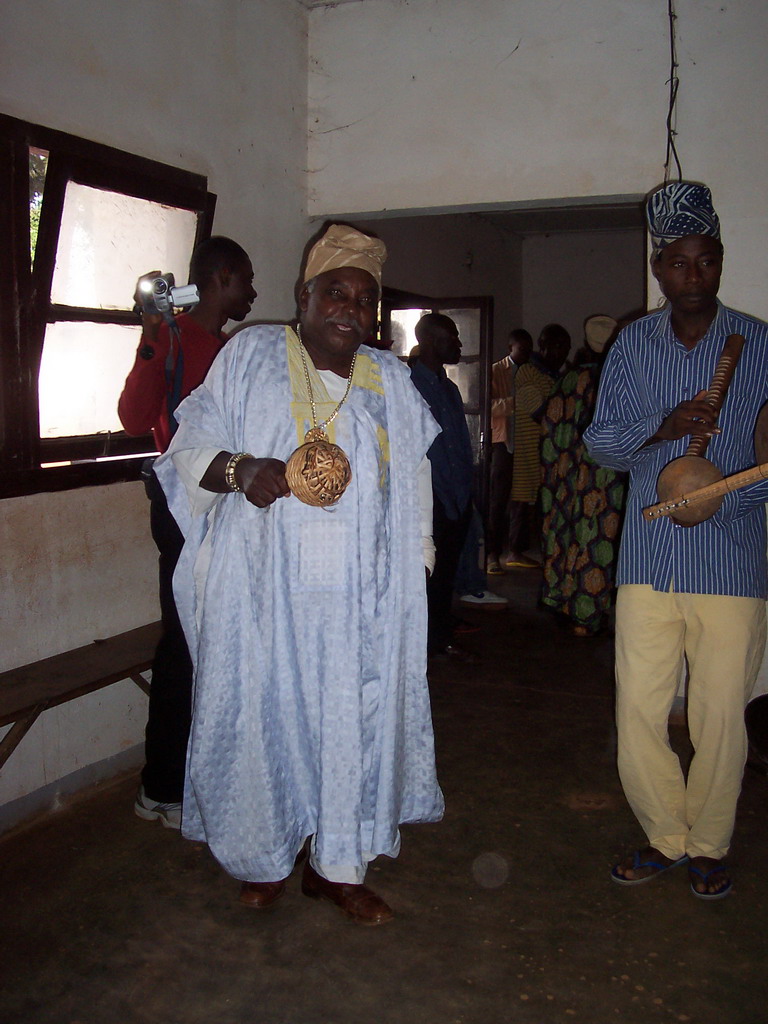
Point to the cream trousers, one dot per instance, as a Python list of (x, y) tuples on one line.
[(723, 640)]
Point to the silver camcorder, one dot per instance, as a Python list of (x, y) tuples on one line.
[(160, 295)]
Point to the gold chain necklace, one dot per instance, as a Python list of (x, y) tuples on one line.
[(317, 431), (319, 472)]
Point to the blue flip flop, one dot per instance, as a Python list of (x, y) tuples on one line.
[(638, 862), (705, 876)]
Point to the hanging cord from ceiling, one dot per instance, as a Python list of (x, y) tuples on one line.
[(674, 85)]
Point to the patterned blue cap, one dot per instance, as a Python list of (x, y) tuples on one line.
[(679, 209)]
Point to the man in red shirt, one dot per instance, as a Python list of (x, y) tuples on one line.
[(169, 365)]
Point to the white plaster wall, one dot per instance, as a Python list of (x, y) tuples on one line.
[(446, 102), (721, 141), (218, 88), (97, 727), (214, 88), (76, 566), (438, 103)]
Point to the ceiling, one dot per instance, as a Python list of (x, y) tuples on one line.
[(618, 213), (598, 217), (329, 3)]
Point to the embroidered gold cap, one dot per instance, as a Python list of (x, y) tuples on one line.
[(344, 246)]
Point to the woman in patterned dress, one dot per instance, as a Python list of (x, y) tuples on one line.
[(581, 502)]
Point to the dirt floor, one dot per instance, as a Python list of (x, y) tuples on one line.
[(505, 910)]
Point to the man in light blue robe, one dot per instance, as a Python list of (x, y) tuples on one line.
[(307, 625)]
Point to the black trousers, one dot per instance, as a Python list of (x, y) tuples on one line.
[(520, 529), (170, 698), (502, 463), (449, 536)]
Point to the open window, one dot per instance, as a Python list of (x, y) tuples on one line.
[(83, 221)]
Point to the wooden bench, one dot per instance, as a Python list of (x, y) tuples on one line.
[(27, 691)]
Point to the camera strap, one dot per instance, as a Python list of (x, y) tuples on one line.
[(174, 374)]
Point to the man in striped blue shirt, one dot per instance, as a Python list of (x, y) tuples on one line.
[(695, 593)]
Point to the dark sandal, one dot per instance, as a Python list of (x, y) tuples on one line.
[(704, 876), (638, 862)]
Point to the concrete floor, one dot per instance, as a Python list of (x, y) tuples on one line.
[(505, 910)]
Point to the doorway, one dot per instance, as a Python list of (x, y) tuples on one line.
[(534, 263), (559, 261)]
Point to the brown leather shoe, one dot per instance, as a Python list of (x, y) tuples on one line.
[(259, 895), (356, 901)]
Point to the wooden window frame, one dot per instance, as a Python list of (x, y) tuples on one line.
[(25, 298)]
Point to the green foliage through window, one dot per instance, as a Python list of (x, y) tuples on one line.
[(38, 164)]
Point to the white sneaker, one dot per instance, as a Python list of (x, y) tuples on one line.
[(485, 598), (169, 815)]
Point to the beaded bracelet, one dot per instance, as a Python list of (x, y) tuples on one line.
[(229, 470)]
